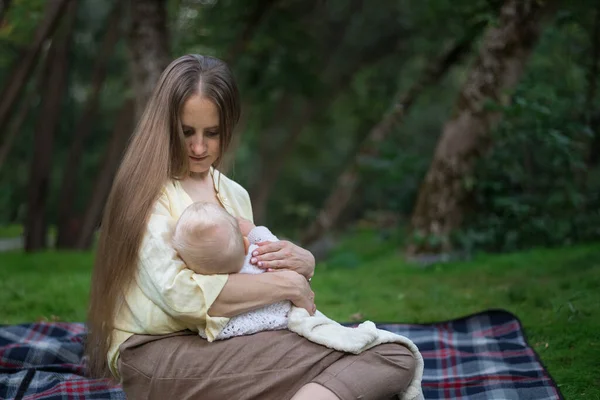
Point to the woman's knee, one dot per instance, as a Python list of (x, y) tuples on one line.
[(393, 351), (397, 357), (378, 373)]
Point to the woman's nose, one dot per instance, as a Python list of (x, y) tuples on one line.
[(197, 146)]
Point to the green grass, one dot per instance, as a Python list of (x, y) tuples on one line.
[(49, 285), (16, 230), (11, 231), (555, 293)]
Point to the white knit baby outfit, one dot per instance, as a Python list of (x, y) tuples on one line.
[(269, 318)]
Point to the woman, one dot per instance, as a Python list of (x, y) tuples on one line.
[(145, 302)]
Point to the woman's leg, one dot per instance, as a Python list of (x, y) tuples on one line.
[(378, 373), (267, 365), (314, 391)]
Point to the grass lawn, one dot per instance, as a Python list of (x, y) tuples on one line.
[(555, 293), (16, 230), (11, 231)]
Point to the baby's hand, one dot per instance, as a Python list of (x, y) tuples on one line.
[(246, 226)]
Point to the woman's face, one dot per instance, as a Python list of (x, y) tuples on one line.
[(200, 123)]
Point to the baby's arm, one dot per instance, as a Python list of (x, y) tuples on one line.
[(261, 234)]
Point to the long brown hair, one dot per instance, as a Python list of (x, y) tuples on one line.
[(156, 153)]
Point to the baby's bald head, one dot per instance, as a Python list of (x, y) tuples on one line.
[(208, 240)]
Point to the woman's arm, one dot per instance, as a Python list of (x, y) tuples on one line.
[(245, 292), (188, 297)]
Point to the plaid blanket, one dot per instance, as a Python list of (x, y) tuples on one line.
[(44, 361), (482, 356)]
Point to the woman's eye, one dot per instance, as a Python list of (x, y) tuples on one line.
[(212, 134), (188, 132)]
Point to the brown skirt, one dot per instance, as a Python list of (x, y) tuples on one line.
[(266, 365)]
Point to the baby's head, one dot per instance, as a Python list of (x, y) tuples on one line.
[(209, 241)]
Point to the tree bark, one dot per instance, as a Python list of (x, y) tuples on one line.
[(443, 196), (19, 120), (592, 116), (4, 6), (260, 11), (66, 234), (594, 65), (272, 169), (149, 49), (228, 163), (41, 165), (347, 182), (112, 158), (25, 64), (292, 126)]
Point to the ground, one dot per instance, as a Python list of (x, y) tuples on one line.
[(555, 293)]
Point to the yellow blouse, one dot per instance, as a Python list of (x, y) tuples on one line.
[(166, 296)]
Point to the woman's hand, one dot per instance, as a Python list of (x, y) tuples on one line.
[(274, 256), (301, 293)]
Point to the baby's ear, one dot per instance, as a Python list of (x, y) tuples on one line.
[(246, 244)]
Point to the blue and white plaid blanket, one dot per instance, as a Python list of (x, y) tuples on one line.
[(482, 356)]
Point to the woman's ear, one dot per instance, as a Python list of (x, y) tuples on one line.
[(246, 244)]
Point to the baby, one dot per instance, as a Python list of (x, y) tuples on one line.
[(209, 241)]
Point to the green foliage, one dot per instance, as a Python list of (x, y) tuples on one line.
[(534, 188), (325, 55), (18, 27)]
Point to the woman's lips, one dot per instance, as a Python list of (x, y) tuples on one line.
[(198, 159)]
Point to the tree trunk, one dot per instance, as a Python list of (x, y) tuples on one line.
[(228, 163), (443, 196), (112, 158), (593, 157), (594, 66), (41, 164), (25, 63), (275, 163), (592, 116), (17, 123), (66, 234), (260, 11), (4, 6), (347, 182), (292, 126), (149, 49)]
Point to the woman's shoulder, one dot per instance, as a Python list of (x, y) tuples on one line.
[(169, 198)]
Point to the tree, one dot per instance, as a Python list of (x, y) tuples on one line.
[(443, 196), (102, 184), (592, 116), (41, 163), (4, 6), (67, 227), (259, 11), (346, 184), (148, 45), (21, 115), (25, 64), (343, 62)]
